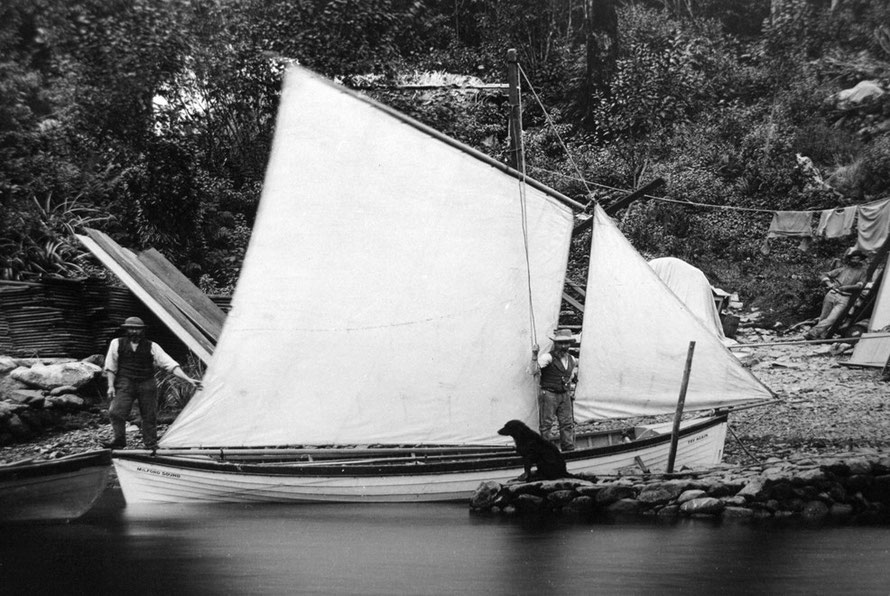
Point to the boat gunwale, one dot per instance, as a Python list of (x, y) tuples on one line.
[(460, 463), (63, 465)]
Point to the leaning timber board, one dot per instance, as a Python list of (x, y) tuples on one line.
[(871, 351)]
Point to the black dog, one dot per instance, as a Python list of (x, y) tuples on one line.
[(537, 451)]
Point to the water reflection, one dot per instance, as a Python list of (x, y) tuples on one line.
[(425, 549)]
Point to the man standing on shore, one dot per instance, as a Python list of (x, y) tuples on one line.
[(130, 367), (558, 371)]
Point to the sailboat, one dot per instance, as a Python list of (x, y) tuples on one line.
[(382, 327)]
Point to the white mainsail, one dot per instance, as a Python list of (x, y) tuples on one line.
[(385, 293), (636, 337)]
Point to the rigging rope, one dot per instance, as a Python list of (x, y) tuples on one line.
[(555, 131), (523, 206), (703, 205)]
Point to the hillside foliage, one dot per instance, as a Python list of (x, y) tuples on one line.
[(152, 119)]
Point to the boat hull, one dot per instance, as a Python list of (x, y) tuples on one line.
[(57, 490), (176, 479)]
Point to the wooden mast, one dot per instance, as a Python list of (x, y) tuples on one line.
[(516, 157)]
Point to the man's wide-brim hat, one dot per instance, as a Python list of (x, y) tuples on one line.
[(563, 335), (133, 323)]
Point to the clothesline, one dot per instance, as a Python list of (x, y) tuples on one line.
[(693, 204), (654, 198)]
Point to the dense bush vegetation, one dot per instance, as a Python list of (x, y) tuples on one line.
[(152, 119)]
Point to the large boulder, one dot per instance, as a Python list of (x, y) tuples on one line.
[(688, 495), (560, 498), (614, 493), (97, 359), (705, 506), (63, 390), (67, 401), (660, 493), (33, 398), (879, 491), (74, 374), (485, 495), (7, 409), (625, 507), (526, 503), (737, 513), (755, 489), (17, 428), (863, 92), (9, 386), (7, 364)]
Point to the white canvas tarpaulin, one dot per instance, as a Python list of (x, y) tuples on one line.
[(880, 316), (873, 348), (384, 295), (691, 286), (636, 337)]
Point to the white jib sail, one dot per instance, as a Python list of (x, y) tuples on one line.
[(384, 295), (636, 337), (691, 286)]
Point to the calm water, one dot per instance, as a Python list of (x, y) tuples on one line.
[(426, 549)]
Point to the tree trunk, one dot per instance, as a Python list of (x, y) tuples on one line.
[(601, 38)]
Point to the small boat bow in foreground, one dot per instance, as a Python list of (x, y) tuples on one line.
[(54, 490)]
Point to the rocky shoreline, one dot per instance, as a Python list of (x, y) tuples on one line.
[(39, 396), (851, 488), (53, 407)]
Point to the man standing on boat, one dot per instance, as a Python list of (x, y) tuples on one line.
[(558, 370), (130, 366)]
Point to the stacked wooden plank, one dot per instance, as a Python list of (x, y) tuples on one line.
[(72, 319), (193, 317), (7, 288), (113, 306), (185, 295), (77, 318), (223, 302), (6, 346), (46, 319)]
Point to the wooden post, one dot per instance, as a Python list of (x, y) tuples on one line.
[(515, 111), (675, 433)]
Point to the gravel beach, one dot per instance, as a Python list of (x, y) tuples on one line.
[(825, 407)]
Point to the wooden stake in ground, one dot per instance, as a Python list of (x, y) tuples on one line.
[(675, 433)]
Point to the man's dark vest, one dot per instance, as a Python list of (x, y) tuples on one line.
[(138, 365), (556, 377)]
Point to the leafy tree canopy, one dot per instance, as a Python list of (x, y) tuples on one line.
[(152, 119)]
